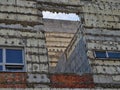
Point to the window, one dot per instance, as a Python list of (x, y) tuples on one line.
[(11, 59), (114, 55), (13, 56), (100, 54), (107, 54)]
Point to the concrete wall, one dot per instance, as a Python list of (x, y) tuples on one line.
[(71, 6), (21, 26), (102, 14), (63, 26), (77, 62), (58, 35), (100, 20), (102, 28)]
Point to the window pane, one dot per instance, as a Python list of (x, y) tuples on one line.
[(14, 56), (114, 55), (1, 56), (100, 54), (1, 68)]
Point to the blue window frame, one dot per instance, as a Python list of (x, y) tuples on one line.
[(1, 55), (11, 59), (100, 54)]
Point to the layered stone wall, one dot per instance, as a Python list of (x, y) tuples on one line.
[(21, 26), (100, 31), (102, 28)]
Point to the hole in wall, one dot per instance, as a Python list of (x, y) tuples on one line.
[(60, 16), (67, 25)]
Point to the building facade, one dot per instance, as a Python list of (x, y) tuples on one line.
[(23, 53), (95, 47), (94, 50)]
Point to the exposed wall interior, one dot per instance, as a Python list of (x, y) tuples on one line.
[(58, 35)]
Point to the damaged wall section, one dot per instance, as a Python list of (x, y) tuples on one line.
[(58, 36)]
